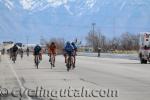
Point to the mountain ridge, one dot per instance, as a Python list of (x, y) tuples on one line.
[(72, 18)]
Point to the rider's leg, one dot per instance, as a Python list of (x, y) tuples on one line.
[(54, 57), (74, 60), (40, 56), (65, 58), (34, 58), (15, 55), (49, 57)]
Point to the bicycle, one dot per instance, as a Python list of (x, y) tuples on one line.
[(37, 61), (14, 56), (21, 55), (52, 60), (69, 62), (28, 54)]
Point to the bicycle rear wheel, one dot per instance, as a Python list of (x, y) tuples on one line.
[(14, 58), (69, 63), (37, 62), (52, 61)]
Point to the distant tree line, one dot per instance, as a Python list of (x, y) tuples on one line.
[(126, 41)]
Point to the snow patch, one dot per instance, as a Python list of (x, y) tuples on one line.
[(56, 3), (9, 4), (27, 4), (68, 9), (90, 3)]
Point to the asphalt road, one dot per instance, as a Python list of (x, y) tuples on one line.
[(93, 79)]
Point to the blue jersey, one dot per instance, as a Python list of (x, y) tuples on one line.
[(69, 48)]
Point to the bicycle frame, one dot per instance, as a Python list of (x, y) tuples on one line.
[(14, 55), (37, 60), (52, 58), (69, 62), (27, 53)]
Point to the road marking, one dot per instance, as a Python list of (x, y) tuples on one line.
[(15, 74)]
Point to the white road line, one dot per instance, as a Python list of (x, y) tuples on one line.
[(15, 74)]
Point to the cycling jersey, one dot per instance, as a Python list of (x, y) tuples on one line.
[(69, 49), (37, 50), (14, 49), (52, 49)]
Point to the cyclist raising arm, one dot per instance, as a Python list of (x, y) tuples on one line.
[(74, 53)]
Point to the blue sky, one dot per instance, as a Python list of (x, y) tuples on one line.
[(71, 19)]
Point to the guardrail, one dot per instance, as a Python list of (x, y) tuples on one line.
[(110, 55)]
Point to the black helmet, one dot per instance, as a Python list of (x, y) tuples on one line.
[(73, 43), (68, 42), (53, 43)]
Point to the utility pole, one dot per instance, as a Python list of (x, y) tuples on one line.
[(93, 27), (99, 40), (114, 29)]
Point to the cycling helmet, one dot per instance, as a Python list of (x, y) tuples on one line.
[(73, 43), (15, 45), (53, 43), (68, 42)]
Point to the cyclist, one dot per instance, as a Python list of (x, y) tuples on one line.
[(27, 51), (99, 52), (10, 51), (21, 53), (14, 51), (3, 51), (37, 50), (74, 53), (68, 50), (52, 52)]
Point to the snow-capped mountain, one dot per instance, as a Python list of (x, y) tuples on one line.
[(40, 5), (72, 18)]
